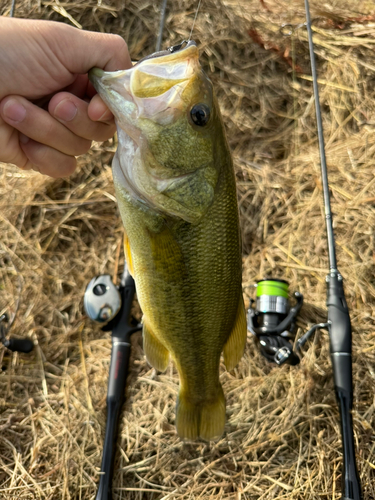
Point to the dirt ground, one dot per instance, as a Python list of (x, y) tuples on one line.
[(282, 438)]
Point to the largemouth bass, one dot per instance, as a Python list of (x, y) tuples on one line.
[(176, 192)]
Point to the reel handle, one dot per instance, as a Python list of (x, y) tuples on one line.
[(14, 344), (19, 345)]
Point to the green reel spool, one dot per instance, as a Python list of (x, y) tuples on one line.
[(272, 296), (273, 287)]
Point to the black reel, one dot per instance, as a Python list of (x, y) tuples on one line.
[(272, 320)]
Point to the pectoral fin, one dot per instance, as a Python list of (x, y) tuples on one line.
[(235, 346), (156, 354), (128, 255)]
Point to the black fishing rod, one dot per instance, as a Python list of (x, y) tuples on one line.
[(111, 306), (272, 319), (339, 327)]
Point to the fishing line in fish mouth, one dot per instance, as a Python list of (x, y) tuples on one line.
[(162, 22), (195, 18)]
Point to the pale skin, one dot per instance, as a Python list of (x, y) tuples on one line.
[(49, 112)]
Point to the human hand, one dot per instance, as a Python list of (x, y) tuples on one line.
[(44, 63)]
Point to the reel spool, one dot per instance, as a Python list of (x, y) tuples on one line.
[(271, 319)]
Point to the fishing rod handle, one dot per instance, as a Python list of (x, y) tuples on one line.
[(342, 374), (115, 398), (340, 333), (350, 482)]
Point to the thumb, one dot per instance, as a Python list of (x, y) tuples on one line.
[(79, 51)]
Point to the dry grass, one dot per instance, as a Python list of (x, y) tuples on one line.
[(282, 437)]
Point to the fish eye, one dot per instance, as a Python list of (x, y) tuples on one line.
[(200, 114)]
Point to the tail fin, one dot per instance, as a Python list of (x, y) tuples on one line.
[(205, 420)]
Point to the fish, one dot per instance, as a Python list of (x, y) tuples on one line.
[(176, 191)]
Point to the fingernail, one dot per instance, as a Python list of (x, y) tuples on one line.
[(24, 139), (66, 110), (14, 111)]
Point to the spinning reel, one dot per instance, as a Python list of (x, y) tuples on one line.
[(272, 320)]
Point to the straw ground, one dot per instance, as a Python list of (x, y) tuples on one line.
[(282, 438)]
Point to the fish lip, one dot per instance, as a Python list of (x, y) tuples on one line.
[(96, 74), (170, 50)]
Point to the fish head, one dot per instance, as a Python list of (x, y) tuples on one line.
[(168, 125)]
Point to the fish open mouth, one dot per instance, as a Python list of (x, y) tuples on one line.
[(151, 76)]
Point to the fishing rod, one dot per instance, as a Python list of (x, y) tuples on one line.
[(161, 27), (272, 320), (111, 306), (339, 326)]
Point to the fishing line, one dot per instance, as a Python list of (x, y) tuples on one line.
[(161, 27), (12, 8), (195, 18)]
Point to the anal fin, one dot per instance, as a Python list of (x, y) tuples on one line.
[(156, 354), (235, 345)]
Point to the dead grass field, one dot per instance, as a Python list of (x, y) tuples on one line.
[(282, 438)]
